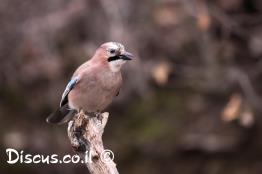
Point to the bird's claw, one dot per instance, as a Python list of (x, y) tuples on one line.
[(99, 117)]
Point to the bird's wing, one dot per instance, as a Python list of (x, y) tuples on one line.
[(68, 88)]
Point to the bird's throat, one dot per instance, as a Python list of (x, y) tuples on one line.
[(116, 65)]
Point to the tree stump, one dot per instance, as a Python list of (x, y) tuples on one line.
[(85, 134)]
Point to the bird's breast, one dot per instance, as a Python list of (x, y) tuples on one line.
[(95, 92)]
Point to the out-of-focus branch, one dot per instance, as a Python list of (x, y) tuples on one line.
[(244, 82), (118, 30), (200, 11), (85, 134)]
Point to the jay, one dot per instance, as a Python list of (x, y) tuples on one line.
[(94, 84)]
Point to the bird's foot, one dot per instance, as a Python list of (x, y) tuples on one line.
[(99, 116), (91, 114), (80, 111)]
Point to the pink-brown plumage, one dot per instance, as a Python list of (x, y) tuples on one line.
[(95, 83), (96, 88)]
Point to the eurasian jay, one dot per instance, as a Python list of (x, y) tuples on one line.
[(94, 84)]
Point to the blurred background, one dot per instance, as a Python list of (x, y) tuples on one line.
[(191, 101)]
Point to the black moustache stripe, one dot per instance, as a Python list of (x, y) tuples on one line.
[(113, 58)]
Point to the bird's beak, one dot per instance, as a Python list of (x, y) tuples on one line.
[(126, 56)]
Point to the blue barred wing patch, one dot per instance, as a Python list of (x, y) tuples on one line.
[(68, 88)]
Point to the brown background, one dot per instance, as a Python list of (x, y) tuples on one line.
[(191, 101)]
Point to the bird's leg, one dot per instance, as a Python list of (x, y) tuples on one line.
[(91, 114), (97, 115), (80, 111)]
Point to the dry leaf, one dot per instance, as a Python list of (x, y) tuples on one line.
[(161, 73), (232, 109)]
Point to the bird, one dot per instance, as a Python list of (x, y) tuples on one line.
[(94, 84)]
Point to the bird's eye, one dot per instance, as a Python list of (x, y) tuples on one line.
[(112, 51)]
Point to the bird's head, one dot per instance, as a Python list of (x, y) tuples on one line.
[(113, 54)]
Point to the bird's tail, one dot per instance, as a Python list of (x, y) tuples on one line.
[(61, 115)]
